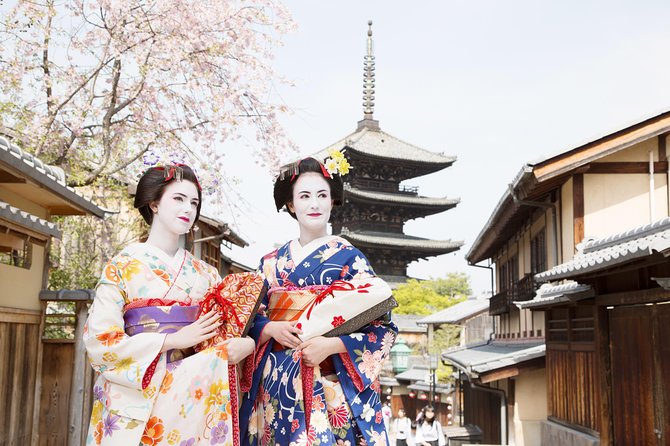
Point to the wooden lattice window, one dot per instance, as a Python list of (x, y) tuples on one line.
[(15, 248), (211, 253), (538, 253)]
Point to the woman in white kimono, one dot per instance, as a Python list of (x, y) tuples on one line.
[(152, 389)]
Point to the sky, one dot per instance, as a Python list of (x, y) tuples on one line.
[(494, 83)]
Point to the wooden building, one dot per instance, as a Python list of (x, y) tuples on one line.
[(471, 315), (210, 236), (31, 193), (377, 204), (582, 214)]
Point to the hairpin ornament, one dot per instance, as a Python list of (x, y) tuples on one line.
[(337, 164), (173, 171)]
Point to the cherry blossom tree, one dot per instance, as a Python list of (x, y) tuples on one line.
[(98, 87), (101, 88)]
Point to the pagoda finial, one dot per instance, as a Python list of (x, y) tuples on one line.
[(369, 86)]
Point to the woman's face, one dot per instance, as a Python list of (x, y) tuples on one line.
[(401, 413), (312, 202), (429, 414), (176, 210)]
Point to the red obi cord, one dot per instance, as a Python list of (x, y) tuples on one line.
[(226, 307)]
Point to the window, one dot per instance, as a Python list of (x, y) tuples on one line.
[(538, 253), (503, 278), (211, 254), (509, 274), (15, 248)]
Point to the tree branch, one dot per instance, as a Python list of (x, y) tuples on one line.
[(106, 125)]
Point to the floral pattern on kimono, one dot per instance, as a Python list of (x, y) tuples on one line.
[(139, 397), (345, 401)]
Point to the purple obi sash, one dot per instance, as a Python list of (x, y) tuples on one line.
[(161, 319)]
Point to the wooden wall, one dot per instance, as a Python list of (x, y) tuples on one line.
[(482, 409), (572, 368), (55, 395), (572, 387), (19, 362)]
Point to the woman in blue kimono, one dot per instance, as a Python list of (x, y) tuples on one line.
[(338, 403)]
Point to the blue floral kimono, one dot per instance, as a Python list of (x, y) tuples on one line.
[(345, 403)]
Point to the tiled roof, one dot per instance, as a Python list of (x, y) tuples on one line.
[(229, 235), (21, 218), (510, 210), (401, 198), (402, 241), (380, 144), (478, 359), (569, 291), (67, 295), (506, 204), (408, 323), (417, 373), (50, 177), (598, 254), (424, 386), (457, 313)]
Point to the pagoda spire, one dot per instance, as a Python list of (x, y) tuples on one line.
[(369, 86)]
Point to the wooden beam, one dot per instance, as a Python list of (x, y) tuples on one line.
[(78, 390), (653, 295), (15, 404), (627, 167), (8, 178), (37, 397), (604, 376), (662, 155), (607, 145), (19, 316), (514, 370), (578, 208)]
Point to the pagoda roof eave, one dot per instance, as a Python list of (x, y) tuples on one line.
[(381, 145), (430, 204), (401, 241)]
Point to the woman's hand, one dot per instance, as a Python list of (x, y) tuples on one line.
[(284, 332), (239, 348), (317, 349), (201, 330)]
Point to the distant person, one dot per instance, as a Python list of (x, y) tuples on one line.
[(387, 413), (402, 429), (429, 430)]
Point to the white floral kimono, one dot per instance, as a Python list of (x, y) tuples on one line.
[(140, 397)]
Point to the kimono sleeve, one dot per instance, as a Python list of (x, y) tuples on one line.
[(128, 361), (368, 348)]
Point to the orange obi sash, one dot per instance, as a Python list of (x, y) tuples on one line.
[(288, 304)]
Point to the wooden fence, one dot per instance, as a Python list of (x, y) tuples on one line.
[(45, 382), (20, 361)]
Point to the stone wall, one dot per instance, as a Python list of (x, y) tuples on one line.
[(554, 434)]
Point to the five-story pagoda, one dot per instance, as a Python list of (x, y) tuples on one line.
[(377, 205)]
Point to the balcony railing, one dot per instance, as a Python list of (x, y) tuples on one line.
[(525, 288), (499, 304), (521, 290), (408, 189)]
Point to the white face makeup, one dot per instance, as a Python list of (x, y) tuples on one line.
[(177, 208), (311, 204)]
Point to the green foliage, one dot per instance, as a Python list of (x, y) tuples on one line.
[(428, 296), (445, 337), (454, 285), (88, 242)]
